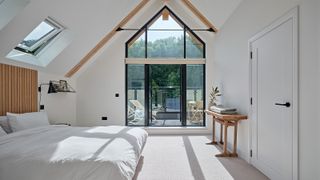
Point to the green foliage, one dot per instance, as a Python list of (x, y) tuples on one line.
[(215, 92), (193, 48), (166, 77), (170, 47), (195, 76), (135, 76), (137, 50)]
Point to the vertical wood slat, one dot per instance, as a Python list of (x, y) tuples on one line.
[(18, 90)]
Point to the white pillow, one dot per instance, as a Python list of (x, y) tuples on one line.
[(4, 123), (2, 132), (24, 121)]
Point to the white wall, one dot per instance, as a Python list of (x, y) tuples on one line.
[(61, 107), (308, 92), (231, 67), (97, 87), (318, 105)]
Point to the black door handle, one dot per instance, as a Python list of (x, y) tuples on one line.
[(287, 104)]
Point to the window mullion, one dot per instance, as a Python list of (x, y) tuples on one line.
[(184, 43), (183, 97), (146, 42)]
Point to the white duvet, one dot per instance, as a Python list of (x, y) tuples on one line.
[(71, 153)]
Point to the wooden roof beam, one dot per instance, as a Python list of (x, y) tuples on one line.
[(196, 12), (106, 38)]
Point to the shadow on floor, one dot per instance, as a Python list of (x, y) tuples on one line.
[(241, 170), (193, 161), (188, 157), (238, 168)]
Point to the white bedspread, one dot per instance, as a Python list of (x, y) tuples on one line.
[(66, 153)]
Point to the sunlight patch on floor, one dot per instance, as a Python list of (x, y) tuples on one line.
[(182, 157)]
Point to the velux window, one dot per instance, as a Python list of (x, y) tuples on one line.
[(40, 37)]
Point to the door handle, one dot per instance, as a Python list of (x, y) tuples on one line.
[(287, 104)]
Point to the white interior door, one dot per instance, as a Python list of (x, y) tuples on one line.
[(274, 86)]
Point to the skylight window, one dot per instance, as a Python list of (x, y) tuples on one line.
[(40, 37)]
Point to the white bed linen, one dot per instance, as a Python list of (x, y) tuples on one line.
[(66, 153), (2, 132)]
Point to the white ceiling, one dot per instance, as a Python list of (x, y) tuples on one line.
[(89, 22), (217, 11)]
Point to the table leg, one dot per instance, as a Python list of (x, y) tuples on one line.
[(225, 150), (225, 140), (221, 133), (213, 132), (234, 153)]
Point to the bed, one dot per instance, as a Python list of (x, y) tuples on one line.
[(66, 153)]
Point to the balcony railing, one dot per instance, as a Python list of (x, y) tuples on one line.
[(166, 103)]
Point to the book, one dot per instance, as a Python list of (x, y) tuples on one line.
[(223, 110), (227, 113)]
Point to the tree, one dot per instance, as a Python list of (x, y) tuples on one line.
[(167, 77), (171, 47)]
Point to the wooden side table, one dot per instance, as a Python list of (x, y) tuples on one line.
[(225, 121)]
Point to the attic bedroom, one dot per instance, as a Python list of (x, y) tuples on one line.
[(159, 89)]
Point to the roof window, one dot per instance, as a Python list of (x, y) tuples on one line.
[(40, 37)]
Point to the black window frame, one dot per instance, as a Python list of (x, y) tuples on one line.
[(183, 99), (144, 29), (46, 39)]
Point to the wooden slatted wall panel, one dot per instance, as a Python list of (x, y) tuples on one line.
[(18, 90)]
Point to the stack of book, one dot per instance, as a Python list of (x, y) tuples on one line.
[(223, 110)]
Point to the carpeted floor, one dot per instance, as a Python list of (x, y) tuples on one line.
[(188, 158)]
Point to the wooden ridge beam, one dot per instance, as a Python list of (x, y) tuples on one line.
[(196, 12), (106, 39)]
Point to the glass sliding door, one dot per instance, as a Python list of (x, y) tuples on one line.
[(165, 90), (165, 95), (195, 95), (135, 95)]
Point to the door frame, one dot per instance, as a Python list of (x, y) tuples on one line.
[(294, 15), (183, 98)]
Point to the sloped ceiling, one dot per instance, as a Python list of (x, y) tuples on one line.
[(89, 22), (217, 11)]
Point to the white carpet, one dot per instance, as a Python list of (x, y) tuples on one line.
[(189, 158)]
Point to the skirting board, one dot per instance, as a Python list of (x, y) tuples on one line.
[(178, 130)]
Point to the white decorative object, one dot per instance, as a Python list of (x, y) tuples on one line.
[(215, 92)]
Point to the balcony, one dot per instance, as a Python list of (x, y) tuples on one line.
[(165, 108)]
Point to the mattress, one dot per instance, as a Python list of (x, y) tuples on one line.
[(66, 153)]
